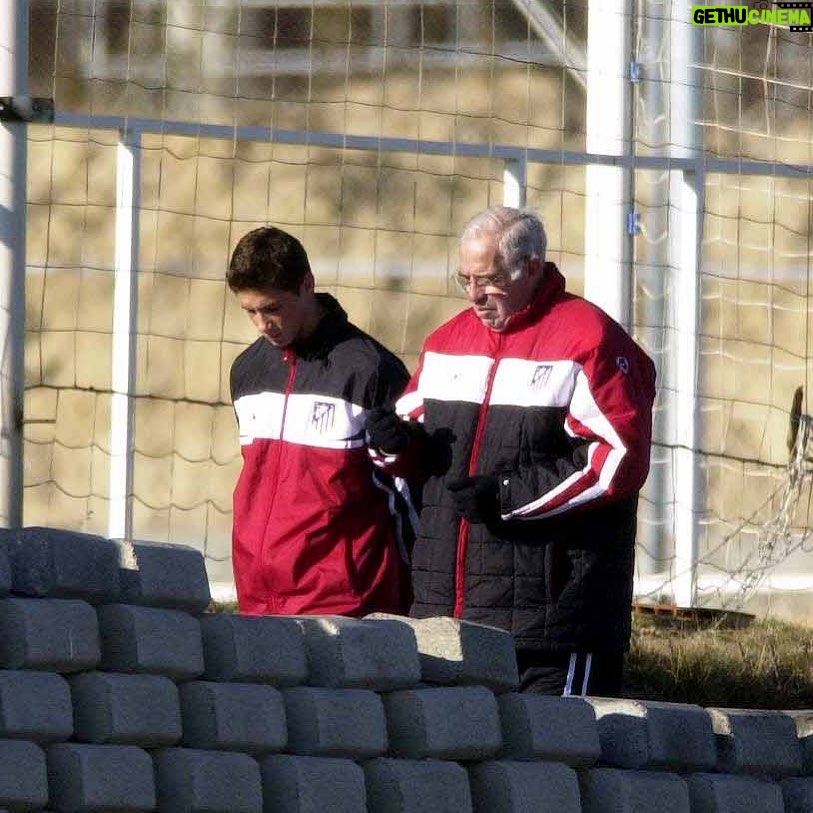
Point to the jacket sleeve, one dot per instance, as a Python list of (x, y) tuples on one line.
[(409, 407), (609, 420), (391, 379)]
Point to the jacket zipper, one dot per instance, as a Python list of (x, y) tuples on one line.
[(463, 531), (288, 356)]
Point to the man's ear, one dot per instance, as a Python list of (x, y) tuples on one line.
[(535, 267), (308, 284)]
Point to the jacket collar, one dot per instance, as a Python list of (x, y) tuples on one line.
[(550, 289), (327, 331)]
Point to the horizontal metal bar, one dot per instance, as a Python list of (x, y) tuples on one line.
[(503, 152)]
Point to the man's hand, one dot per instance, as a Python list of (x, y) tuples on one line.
[(386, 432), (476, 498)]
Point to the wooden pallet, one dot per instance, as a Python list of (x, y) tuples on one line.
[(694, 616)]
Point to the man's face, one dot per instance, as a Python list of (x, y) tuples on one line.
[(495, 298), (280, 316)]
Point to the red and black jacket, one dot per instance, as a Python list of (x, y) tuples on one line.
[(559, 405), (317, 528)]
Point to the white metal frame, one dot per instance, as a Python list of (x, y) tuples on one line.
[(125, 325), (13, 181), (686, 211), (608, 189), (688, 173)]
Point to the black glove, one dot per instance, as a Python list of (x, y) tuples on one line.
[(386, 432), (476, 498)]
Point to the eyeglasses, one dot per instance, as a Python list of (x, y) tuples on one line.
[(481, 281)]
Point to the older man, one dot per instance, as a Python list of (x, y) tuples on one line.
[(529, 418)]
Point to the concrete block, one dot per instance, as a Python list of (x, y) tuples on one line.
[(35, 706), (803, 721), (457, 653), (757, 742), (610, 790), (102, 778), (233, 717), (347, 723), (444, 722), (416, 786), (188, 779), (798, 794), (253, 649), (121, 709), (5, 568), (157, 574), (55, 563), (724, 793), (150, 640), (23, 776), (55, 635), (638, 734), (294, 784), (557, 729), (524, 787), (349, 653)]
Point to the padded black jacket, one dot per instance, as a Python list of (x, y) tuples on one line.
[(559, 405)]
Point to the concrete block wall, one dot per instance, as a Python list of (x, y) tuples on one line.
[(121, 692)]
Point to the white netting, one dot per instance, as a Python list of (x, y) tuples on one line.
[(373, 130), (776, 539), (780, 536)]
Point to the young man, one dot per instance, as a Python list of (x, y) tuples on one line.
[(317, 529), (529, 417)]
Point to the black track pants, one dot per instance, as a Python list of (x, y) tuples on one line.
[(598, 674)]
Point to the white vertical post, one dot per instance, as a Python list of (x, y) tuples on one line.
[(125, 325), (655, 535), (13, 82), (685, 249), (514, 179), (607, 188)]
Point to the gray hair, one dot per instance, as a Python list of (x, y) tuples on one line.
[(520, 234)]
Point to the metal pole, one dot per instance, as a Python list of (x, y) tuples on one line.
[(655, 514), (125, 314), (687, 204), (13, 82), (515, 183), (607, 188)]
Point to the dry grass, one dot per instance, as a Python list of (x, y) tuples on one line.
[(765, 665)]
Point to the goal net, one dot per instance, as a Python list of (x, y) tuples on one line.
[(373, 131)]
